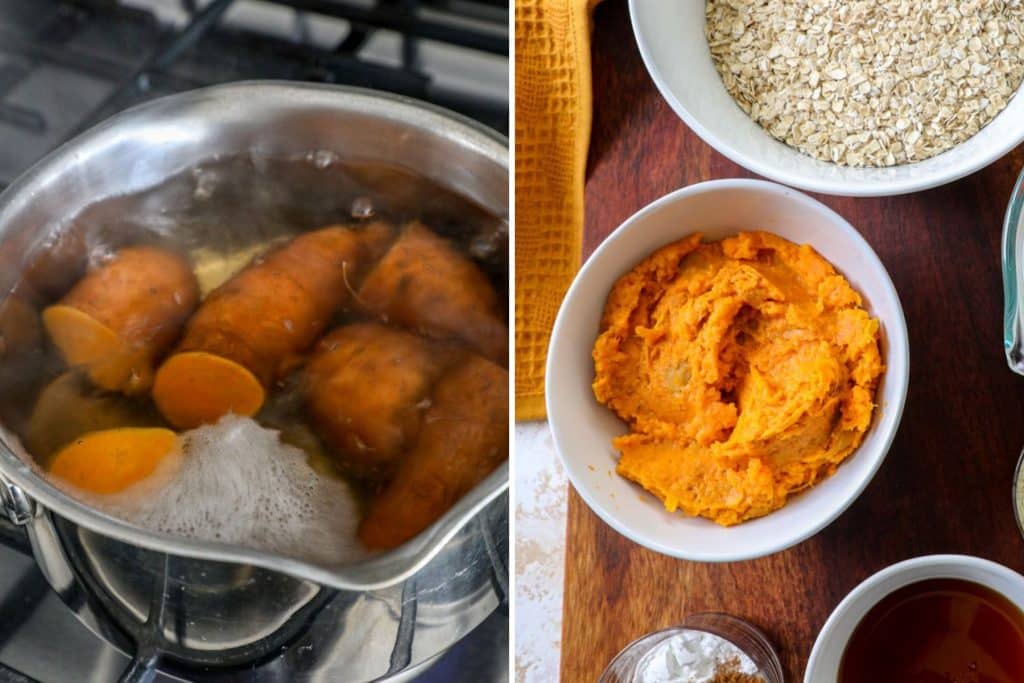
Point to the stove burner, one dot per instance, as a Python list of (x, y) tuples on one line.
[(41, 636)]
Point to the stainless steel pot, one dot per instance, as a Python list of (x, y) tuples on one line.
[(217, 606)]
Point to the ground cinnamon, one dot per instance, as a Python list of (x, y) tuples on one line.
[(729, 672), (736, 677)]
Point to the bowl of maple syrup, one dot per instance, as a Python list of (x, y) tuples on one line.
[(934, 618)]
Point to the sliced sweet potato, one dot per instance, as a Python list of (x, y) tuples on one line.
[(111, 460), (70, 406), (122, 316), (196, 387), (254, 328)]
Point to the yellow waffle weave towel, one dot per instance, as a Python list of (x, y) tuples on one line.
[(553, 110)]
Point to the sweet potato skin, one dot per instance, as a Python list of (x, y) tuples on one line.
[(21, 329), (463, 438), (367, 388), (425, 284), (143, 297), (277, 307), (261, 322)]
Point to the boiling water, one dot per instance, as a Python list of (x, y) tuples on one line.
[(235, 482), (224, 211)]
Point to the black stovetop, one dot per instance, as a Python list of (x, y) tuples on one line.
[(66, 65)]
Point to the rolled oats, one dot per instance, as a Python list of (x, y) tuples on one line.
[(869, 82)]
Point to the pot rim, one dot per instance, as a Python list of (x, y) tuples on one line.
[(400, 563)]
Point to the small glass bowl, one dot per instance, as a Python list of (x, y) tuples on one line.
[(747, 637), (1017, 501)]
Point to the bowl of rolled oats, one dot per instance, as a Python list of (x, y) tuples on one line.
[(859, 97)]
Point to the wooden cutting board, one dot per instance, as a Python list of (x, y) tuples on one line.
[(945, 486)]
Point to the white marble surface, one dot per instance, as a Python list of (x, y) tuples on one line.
[(540, 497)]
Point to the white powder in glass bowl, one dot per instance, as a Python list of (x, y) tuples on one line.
[(691, 656)]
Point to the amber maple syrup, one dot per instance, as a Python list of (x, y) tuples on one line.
[(938, 631)]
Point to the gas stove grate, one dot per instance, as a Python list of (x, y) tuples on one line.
[(65, 65)]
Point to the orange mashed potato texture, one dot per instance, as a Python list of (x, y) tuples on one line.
[(745, 368)]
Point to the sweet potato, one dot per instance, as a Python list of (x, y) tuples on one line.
[(71, 406), (253, 329), (119, 318), (111, 460), (424, 284), (367, 388), (463, 438), (20, 328), (24, 363)]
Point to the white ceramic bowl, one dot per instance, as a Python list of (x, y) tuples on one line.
[(827, 653), (583, 429), (670, 34)]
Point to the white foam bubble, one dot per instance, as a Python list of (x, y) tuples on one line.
[(322, 158), (236, 482)]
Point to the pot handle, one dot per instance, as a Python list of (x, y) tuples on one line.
[(18, 508), (16, 511)]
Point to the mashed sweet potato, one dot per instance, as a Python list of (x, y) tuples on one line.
[(746, 370)]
